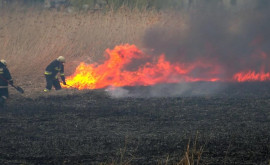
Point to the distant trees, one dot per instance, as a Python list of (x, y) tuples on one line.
[(158, 4), (140, 4)]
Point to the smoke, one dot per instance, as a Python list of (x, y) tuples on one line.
[(118, 92), (168, 90), (237, 41)]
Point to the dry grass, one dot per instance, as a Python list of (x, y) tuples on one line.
[(192, 156), (31, 38)]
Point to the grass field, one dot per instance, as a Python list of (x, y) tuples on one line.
[(91, 127)]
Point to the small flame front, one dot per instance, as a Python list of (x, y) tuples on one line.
[(251, 76)]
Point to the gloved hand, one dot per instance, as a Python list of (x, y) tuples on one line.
[(64, 82)]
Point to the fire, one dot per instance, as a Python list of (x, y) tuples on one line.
[(119, 70), (115, 70), (251, 76)]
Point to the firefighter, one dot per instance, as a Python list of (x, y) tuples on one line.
[(51, 74), (5, 79)]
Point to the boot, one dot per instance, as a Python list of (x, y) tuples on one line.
[(2, 101)]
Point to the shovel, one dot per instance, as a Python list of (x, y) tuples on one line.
[(19, 89)]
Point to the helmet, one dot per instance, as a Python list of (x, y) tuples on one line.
[(3, 62), (61, 59)]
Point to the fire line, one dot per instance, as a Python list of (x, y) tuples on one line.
[(113, 72)]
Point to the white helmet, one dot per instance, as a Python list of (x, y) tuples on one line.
[(4, 62), (61, 59)]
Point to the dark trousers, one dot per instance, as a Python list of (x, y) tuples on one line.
[(3, 96), (51, 81)]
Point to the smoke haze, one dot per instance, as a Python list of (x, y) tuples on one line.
[(168, 90), (237, 41)]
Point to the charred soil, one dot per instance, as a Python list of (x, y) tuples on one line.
[(90, 127)]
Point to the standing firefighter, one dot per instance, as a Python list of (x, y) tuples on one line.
[(5, 79), (51, 74)]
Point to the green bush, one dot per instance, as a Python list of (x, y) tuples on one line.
[(116, 4), (161, 4), (129, 3), (132, 4), (140, 4), (79, 3)]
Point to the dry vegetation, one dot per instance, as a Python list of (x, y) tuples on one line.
[(43, 128), (31, 38)]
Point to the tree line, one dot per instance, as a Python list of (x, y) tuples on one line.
[(139, 4)]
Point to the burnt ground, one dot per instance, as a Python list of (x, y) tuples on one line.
[(90, 127)]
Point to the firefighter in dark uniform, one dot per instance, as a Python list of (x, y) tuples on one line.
[(51, 74), (5, 79)]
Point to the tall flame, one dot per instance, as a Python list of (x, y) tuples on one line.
[(114, 71), (117, 71)]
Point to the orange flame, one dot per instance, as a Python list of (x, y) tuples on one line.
[(251, 76), (113, 72)]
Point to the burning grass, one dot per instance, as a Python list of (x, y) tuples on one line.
[(30, 38), (90, 125)]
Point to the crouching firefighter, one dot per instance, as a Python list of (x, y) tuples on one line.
[(51, 74), (5, 79)]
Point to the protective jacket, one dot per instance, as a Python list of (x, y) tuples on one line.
[(5, 76), (54, 68)]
